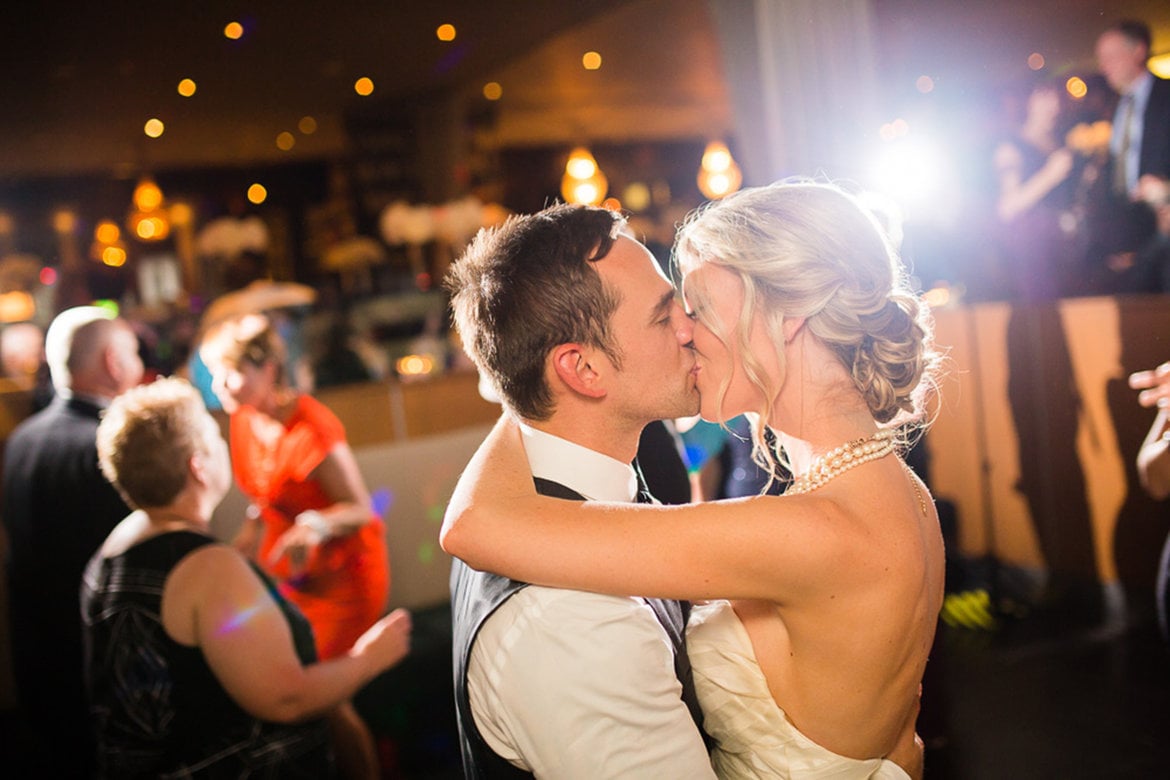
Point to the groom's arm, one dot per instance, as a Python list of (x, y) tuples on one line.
[(576, 685)]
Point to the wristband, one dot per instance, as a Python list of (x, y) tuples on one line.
[(315, 522)]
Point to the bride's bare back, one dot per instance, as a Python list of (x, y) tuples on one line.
[(844, 661)]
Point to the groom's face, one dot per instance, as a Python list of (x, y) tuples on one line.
[(651, 329)]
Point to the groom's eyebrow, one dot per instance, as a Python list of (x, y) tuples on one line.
[(662, 308)]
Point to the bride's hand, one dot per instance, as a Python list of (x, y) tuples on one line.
[(497, 473)]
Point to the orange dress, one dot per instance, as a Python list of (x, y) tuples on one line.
[(344, 585)]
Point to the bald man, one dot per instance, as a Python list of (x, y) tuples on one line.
[(57, 509)]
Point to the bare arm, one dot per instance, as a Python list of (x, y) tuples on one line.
[(1017, 195), (213, 600), (764, 547), (342, 482)]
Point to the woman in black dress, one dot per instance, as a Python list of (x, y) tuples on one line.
[(194, 664)]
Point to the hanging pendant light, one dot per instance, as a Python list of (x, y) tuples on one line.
[(583, 181), (719, 175)]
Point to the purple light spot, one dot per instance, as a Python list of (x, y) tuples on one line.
[(239, 619), (381, 500)]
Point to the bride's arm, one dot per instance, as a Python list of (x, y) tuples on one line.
[(763, 547)]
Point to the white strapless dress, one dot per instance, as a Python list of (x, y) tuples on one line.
[(754, 738)]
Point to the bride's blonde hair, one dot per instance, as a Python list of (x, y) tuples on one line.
[(811, 250)]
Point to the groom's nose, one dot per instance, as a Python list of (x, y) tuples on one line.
[(684, 326)]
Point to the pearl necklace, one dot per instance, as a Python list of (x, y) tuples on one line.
[(836, 462)]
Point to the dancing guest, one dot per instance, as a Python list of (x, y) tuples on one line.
[(310, 524), (1035, 204), (195, 666), (803, 319)]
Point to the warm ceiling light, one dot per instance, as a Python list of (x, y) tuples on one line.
[(64, 221), (591, 60), (150, 227), (186, 87), (147, 195), (492, 90), (233, 30), (364, 86), (1160, 65), (1035, 60), (107, 232), (581, 164), (637, 196), (154, 127), (114, 256), (307, 125), (583, 181), (17, 306), (181, 214), (257, 194), (719, 175), (285, 141), (1076, 87), (446, 32)]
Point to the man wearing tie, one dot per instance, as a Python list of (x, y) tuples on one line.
[(1139, 149), (578, 332)]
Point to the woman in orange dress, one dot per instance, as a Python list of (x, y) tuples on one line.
[(310, 524)]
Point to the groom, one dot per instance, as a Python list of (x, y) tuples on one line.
[(580, 333)]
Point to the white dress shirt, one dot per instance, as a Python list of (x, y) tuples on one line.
[(567, 684)]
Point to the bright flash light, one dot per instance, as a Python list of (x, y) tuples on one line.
[(909, 170)]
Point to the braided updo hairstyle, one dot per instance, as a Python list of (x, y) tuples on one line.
[(809, 249)]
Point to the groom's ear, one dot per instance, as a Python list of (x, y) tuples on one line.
[(574, 365)]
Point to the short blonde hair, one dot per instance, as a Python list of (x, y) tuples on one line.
[(811, 250), (146, 439)]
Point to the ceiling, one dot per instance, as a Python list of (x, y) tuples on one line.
[(78, 82)]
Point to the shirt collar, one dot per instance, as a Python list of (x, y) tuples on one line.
[(588, 472)]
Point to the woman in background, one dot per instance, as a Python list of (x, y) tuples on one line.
[(195, 666), (1035, 206), (310, 524)]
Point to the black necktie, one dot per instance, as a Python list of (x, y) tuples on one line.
[(673, 616)]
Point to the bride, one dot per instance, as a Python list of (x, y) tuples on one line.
[(812, 665)]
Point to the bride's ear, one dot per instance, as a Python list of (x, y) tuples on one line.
[(791, 327), (573, 366)]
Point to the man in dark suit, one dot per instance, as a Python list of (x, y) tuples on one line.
[(1139, 156), (57, 509), (580, 336)]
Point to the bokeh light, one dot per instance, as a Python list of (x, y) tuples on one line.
[(233, 30), (492, 90), (257, 193), (636, 196), (48, 276), (591, 60), (154, 127), (114, 256), (364, 86), (285, 141), (107, 232), (1076, 87), (187, 87), (307, 125), (445, 32), (1035, 60), (924, 84)]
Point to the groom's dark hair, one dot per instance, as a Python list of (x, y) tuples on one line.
[(529, 285)]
